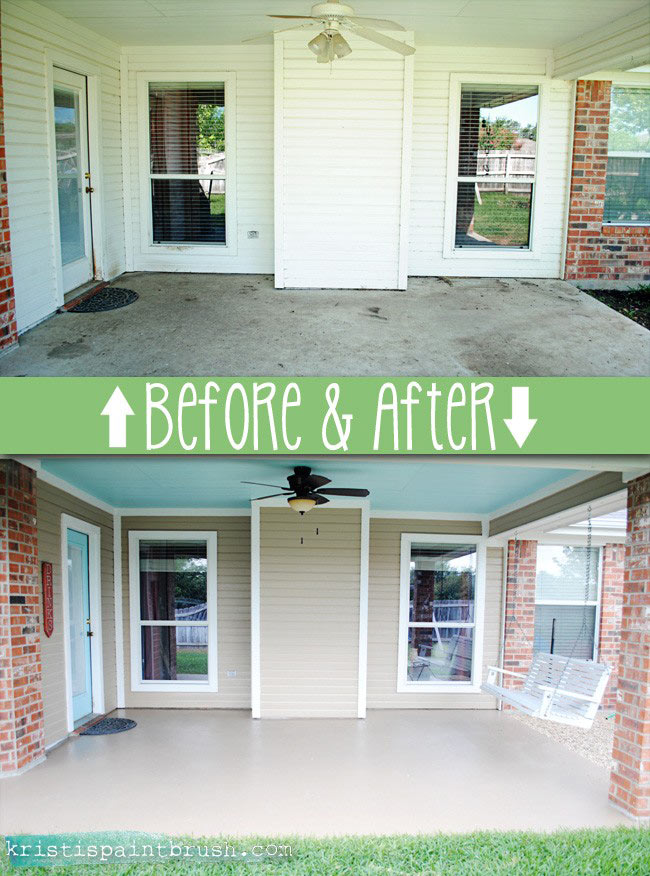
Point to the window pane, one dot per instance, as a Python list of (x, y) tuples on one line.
[(188, 210), (173, 580), (558, 628), (562, 572), (442, 654), (443, 578), (175, 653), (67, 133), (629, 121), (627, 190), (496, 215), (187, 127)]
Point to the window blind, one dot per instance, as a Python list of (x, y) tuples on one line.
[(627, 190)]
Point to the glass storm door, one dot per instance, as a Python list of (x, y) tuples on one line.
[(72, 178), (79, 621)]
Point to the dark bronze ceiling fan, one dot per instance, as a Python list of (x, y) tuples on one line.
[(306, 490)]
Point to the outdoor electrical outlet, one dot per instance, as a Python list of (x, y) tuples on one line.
[(253, 234), (231, 673)]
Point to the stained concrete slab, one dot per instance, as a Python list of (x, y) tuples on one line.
[(203, 324), (218, 772)]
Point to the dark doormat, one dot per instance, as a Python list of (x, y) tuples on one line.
[(108, 298), (109, 725)]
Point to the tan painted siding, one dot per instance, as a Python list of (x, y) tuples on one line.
[(383, 615), (233, 613), (52, 503), (309, 612)]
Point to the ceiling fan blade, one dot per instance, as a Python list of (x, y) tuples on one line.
[(260, 484), (317, 481), (320, 500), (296, 17), (375, 22), (381, 39), (343, 491), (265, 36), (272, 496)]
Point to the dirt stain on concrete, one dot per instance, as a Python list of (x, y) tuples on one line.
[(69, 350)]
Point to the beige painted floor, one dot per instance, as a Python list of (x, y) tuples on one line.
[(216, 772)]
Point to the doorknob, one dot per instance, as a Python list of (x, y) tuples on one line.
[(89, 190)]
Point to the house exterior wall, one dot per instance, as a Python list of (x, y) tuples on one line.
[(233, 613), (8, 325), (309, 612), (52, 502), (598, 253), (33, 37), (611, 607), (383, 615)]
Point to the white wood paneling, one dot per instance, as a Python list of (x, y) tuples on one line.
[(32, 38), (340, 142)]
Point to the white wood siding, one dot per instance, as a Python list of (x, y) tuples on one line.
[(233, 613), (431, 111), (51, 504), (309, 612), (339, 162), (383, 616), (253, 66), (29, 31)]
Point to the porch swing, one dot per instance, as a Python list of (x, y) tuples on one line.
[(566, 690)]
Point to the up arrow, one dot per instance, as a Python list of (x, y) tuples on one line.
[(117, 409), (520, 424)]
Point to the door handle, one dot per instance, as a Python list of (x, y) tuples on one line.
[(89, 633), (89, 190)]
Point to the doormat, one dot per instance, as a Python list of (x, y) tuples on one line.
[(109, 725), (108, 298)]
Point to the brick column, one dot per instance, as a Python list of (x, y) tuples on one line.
[(8, 327), (630, 777), (611, 606), (519, 632), (21, 694)]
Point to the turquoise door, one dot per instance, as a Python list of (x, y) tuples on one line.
[(79, 620)]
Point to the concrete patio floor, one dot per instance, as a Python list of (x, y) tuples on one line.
[(219, 772), (207, 324)]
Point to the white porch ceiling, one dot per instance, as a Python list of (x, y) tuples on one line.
[(522, 23)]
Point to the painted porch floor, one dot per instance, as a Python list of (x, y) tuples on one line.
[(220, 772), (207, 324)]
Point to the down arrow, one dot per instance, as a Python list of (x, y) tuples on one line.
[(520, 424)]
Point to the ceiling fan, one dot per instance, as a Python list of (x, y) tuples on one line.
[(307, 490), (335, 16)]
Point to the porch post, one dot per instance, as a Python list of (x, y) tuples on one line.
[(611, 606), (8, 326), (630, 777), (21, 689), (519, 632)]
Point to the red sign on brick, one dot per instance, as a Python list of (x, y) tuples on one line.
[(48, 599)]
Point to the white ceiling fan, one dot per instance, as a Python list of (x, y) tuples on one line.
[(333, 17)]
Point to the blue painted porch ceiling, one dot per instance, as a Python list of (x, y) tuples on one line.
[(395, 485)]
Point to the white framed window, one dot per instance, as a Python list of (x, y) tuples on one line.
[(442, 587), (173, 610), (627, 188), (560, 600), (493, 166), (187, 144)]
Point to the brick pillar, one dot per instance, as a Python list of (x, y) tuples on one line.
[(21, 694), (611, 606), (8, 327), (630, 777), (519, 632)]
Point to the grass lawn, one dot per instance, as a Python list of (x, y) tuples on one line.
[(503, 218), (189, 662), (633, 303), (217, 204), (619, 852)]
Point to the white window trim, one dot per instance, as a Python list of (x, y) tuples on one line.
[(626, 223), (456, 80), (137, 682), (428, 687), (203, 250)]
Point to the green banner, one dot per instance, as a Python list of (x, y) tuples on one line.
[(350, 415)]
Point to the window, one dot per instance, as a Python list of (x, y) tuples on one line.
[(173, 610), (627, 191), (187, 151), (438, 620), (496, 172), (560, 600)]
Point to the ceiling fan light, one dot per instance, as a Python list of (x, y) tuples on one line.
[(301, 504), (319, 45), (340, 45)]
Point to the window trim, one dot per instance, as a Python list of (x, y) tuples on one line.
[(158, 686), (428, 687), (456, 81), (617, 153), (597, 602), (197, 250)]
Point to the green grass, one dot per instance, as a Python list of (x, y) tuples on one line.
[(217, 204), (503, 218), (189, 662), (619, 852)]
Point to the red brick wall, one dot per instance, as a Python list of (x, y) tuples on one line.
[(520, 608), (21, 699), (8, 327), (611, 606), (630, 778), (595, 251)]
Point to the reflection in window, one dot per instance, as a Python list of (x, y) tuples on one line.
[(496, 165), (627, 193)]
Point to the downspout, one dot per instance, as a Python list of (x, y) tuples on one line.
[(567, 203)]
